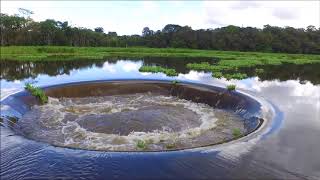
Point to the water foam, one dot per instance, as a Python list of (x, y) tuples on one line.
[(52, 116)]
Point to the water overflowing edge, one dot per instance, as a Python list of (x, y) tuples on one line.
[(263, 127)]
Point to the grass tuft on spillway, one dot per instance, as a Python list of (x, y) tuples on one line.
[(37, 92)]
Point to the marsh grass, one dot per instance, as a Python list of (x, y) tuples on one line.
[(226, 58), (231, 87), (58, 50), (37, 92)]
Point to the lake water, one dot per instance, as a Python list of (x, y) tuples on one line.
[(289, 151)]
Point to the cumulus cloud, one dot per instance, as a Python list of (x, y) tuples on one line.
[(245, 5), (194, 75), (128, 66), (283, 13), (109, 67), (259, 13), (130, 17)]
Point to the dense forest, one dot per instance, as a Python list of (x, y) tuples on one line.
[(22, 30)]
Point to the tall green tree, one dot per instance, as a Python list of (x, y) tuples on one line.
[(22, 30)]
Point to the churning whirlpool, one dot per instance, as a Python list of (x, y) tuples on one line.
[(133, 115)]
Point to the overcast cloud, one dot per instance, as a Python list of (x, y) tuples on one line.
[(130, 17), (283, 13)]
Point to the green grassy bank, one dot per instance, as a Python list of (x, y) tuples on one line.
[(47, 53)]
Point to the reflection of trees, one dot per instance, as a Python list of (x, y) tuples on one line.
[(16, 70), (13, 70), (178, 63), (19, 30), (306, 72)]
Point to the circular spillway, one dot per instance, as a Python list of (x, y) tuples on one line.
[(134, 115)]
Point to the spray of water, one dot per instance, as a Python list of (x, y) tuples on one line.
[(58, 123)]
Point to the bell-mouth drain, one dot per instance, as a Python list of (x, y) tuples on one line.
[(134, 115)]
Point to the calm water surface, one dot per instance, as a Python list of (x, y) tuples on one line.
[(289, 151)]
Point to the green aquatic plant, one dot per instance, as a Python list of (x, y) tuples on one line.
[(217, 74), (238, 76), (231, 87), (236, 132), (199, 66), (156, 69), (37, 92), (141, 144)]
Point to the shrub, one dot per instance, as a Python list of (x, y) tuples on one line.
[(141, 144), (37, 92), (231, 87)]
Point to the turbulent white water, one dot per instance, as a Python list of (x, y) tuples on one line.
[(60, 123)]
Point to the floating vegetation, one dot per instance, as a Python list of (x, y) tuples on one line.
[(218, 71), (37, 92), (229, 65), (217, 74), (199, 66), (238, 76), (231, 87), (156, 69), (236, 132)]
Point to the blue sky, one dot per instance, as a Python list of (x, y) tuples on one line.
[(129, 17)]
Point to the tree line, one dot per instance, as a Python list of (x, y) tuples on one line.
[(23, 30)]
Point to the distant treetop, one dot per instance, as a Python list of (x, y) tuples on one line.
[(22, 30)]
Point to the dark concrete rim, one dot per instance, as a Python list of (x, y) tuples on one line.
[(262, 126)]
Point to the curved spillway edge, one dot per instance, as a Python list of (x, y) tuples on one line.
[(251, 108)]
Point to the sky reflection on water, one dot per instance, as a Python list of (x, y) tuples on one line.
[(291, 151)]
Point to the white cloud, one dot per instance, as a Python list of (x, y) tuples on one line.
[(149, 5), (245, 5), (109, 67), (129, 66), (194, 75), (130, 17), (283, 13), (258, 13)]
